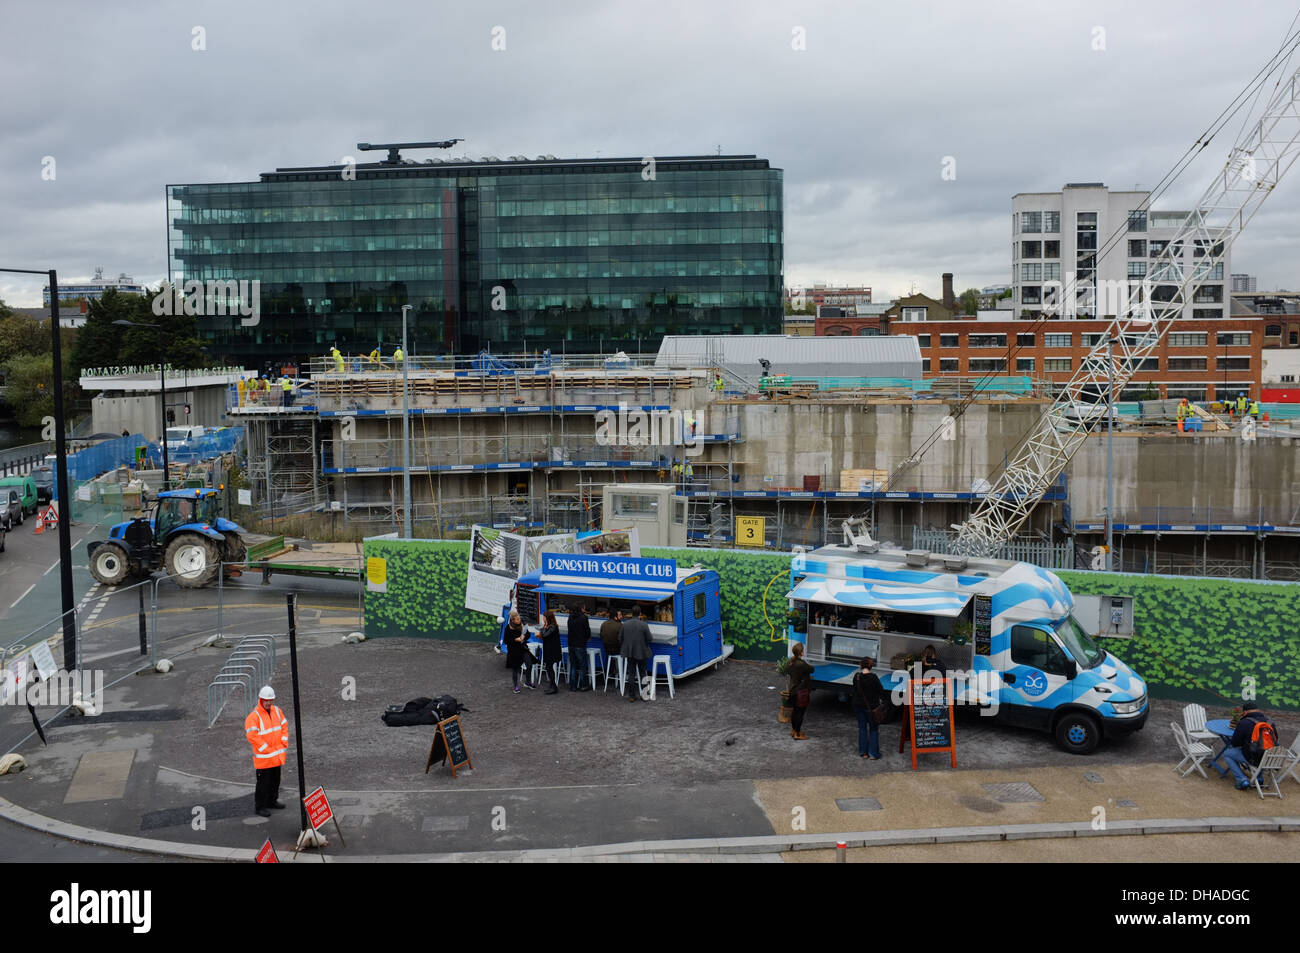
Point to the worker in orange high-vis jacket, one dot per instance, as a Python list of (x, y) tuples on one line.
[(267, 731)]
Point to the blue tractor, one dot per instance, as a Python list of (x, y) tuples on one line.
[(180, 533)]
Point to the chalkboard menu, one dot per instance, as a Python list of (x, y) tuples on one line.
[(449, 743), (930, 718), (527, 602), (983, 627)]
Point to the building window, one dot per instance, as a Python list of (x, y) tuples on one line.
[(1273, 331), (630, 504), (1057, 364), (1151, 364), (1090, 340), (1187, 363), (1137, 247), (986, 340), (1031, 294), (913, 314), (948, 365), (1052, 271), (1025, 364), (923, 340), (1207, 314), (1137, 270), (1026, 340), (1137, 221), (1051, 222), (1052, 249), (1288, 379), (1187, 338), (1031, 221), (1031, 249), (925, 365), (987, 365), (1157, 248), (1202, 247), (1233, 364), (868, 332), (1208, 294), (1031, 272), (948, 340), (1294, 338), (1058, 340)]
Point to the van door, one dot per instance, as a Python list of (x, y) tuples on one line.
[(1037, 679)]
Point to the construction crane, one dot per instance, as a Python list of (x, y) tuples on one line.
[(394, 156), (1260, 158)]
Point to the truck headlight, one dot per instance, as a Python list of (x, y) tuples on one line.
[(1129, 708)]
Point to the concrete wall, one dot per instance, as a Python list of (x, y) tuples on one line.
[(143, 414)]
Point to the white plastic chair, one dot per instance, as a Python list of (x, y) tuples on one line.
[(1194, 752), (1273, 763), (1194, 722), (1293, 761)]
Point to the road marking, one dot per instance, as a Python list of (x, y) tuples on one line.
[(23, 596)]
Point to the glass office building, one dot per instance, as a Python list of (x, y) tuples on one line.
[(573, 255)]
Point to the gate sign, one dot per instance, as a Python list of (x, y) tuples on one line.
[(267, 854), (750, 530), (611, 569), (318, 808)]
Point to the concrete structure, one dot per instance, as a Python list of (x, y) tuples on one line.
[(1108, 240), (740, 356), (1198, 360), (127, 398), (93, 289)]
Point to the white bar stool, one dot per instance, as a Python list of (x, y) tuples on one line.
[(666, 663), (618, 665), (593, 659)]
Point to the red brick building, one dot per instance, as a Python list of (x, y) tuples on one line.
[(1199, 360)]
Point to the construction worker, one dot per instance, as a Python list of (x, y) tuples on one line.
[(717, 382), (375, 356), (1183, 410), (286, 391), (1254, 410), (677, 472), (337, 358), (398, 357), (690, 473), (267, 730), (1242, 405), (239, 386)]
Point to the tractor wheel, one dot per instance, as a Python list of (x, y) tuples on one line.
[(236, 552), (109, 565), (191, 560)]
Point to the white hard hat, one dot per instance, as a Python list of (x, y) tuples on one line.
[(267, 692)]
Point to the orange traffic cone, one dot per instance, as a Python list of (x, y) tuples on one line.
[(40, 523)]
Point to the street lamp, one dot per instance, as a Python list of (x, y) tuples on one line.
[(60, 473), (406, 434), (162, 371)]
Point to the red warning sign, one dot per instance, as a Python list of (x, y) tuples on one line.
[(318, 808), (267, 854)]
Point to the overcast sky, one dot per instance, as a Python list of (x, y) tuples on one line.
[(861, 119)]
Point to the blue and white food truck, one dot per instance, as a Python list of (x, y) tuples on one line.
[(682, 605), (1010, 636)]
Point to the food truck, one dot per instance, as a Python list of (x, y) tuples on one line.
[(682, 605), (1009, 635)]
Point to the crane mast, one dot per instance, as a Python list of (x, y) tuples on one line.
[(1255, 166)]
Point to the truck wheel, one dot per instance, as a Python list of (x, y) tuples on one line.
[(191, 560), (1078, 733), (109, 565)]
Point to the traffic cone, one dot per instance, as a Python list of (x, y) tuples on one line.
[(40, 523)]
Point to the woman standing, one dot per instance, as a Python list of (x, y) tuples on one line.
[(552, 650), (517, 653), (868, 694), (800, 689)]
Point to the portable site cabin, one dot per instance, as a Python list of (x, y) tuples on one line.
[(682, 605)]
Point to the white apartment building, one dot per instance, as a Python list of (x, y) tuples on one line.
[(1106, 242)]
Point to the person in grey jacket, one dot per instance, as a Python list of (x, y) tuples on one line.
[(636, 649)]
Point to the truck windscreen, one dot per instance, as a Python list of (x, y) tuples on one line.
[(1079, 643)]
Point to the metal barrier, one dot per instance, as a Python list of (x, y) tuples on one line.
[(251, 663)]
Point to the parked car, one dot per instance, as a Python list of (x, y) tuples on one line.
[(11, 508), (43, 477), (26, 488)]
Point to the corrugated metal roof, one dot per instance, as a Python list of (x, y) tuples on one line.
[(785, 351)]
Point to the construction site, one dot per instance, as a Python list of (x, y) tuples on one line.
[(528, 443)]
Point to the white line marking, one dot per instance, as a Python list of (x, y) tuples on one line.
[(23, 596)]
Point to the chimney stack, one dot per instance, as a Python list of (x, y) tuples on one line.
[(949, 300)]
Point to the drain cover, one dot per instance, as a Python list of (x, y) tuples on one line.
[(1013, 792), (1126, 803), (1093, 776), (857, 804)]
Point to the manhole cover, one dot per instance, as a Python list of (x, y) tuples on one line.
[(857, 804), (1013, 792), (1093, 776), (1126, 803)]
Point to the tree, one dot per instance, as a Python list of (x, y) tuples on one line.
[(20, 335), (29, 387), (174, 339), (100, 341), (968, 302)]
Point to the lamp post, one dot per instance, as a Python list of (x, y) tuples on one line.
[(406, 434), (1110, 455), (60, 473), (162, 372)]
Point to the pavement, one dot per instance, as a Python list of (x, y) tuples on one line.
[(709, 774)]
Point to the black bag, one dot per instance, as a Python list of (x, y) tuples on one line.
[(422, 711)]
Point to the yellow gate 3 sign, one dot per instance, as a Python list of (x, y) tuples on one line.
[(750, 530)]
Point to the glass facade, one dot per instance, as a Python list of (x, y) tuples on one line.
[(571, 255)]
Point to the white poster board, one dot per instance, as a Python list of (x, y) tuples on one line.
[(43, 659)]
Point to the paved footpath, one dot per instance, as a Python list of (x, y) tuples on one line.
[(583, 776)]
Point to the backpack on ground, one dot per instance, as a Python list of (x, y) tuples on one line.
[(1262, 737), (422, 711)]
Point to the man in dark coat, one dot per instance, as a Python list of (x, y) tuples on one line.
[(579, 636), (636, 649), (1235, 753)]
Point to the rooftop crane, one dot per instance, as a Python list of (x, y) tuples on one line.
[(1260, 158)]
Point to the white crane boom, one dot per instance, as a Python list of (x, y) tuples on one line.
[(1257, 163)]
